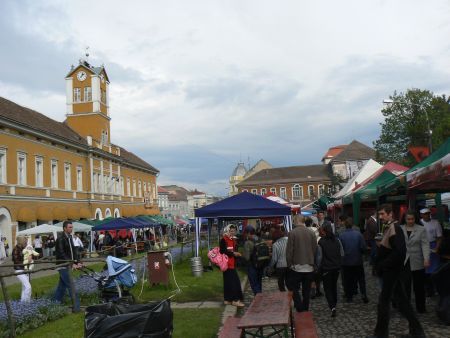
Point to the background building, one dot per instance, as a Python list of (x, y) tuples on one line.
[(241, 173), (299, 184), (178, 203), (163, 201), (52, 171)]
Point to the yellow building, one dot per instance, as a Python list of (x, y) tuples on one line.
[(52, 171)]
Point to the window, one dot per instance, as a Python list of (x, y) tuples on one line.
[(254, 191), (76, 95), (128, 187), (21, 169), (94, 182), (145, 186), (321, 189), (39, 175), (244, 190), (263, 191), (311, 191), (105, 184), (79, 178), (297, 192), (3, 166), (273, 191), (54, 173), (103, 97), (134, 188), (140, 188), (283, 192), (87, 94), (122, 187), (67, 178)]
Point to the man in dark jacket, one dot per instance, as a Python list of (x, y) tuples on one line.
[(66, 251), (390, 261)]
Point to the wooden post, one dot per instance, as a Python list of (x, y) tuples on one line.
[(12, 324), (72, 288)]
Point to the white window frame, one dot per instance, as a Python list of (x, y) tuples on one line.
[(67, 176), (54, 174), (134, 188), (3, 166), (263, 191), (145, 186), (254, 191), (39, 171), (128, 186), (21, 175), (77, 95), (140, 188), (87, 94), (273, 191), (122, 186), (320, 190), (283, 192), (309, 191), (79, 178), (298, 196)]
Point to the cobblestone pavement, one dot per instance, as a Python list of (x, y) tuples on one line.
[(358, 319)]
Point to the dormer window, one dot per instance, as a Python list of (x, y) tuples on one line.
[(76, 95), (87, 94)]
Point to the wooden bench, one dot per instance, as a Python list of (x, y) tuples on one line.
[(304, 325), (230, 329)]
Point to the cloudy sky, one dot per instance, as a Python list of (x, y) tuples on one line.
[(195, 85)]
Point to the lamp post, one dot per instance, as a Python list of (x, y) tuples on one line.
[(430, 132)]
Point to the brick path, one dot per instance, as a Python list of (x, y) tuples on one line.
[(358, 319)]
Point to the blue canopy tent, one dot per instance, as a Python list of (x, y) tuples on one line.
[(241, 206)]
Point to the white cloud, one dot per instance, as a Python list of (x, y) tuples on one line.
[(196, 84)]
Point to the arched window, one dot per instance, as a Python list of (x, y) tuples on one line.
[(116, 213), (107, 213), (297, 192), (321, 189), (98, 214), (263, 191), (273, 191), (310, 191), (283, 192), (254, 191)]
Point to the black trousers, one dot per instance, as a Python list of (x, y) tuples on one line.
[(295, 279), (354, 277), (417, 278), (393, 288), (232, 286), (282, 278), (330, 279)]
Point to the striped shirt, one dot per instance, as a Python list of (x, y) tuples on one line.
[(279, 253)]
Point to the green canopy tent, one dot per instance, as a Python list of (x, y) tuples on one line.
[(367, 193), (322, 202), (397, 185)]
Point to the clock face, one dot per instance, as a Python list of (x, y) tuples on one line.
[(81, 76)]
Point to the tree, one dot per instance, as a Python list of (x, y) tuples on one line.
[(406, 124)]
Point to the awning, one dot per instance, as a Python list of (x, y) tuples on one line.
[(73, 213), (26, 215), (60, 213), (432, 178), (85, 213), (41, 229), (77, 226), (44, 214)]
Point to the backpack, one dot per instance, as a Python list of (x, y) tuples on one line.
[(219, 259), (261, 255)]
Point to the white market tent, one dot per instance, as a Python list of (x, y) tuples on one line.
[(77, 227), (41, 229), (366, 171)]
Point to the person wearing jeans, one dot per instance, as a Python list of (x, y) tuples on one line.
[(17, 257), (301, 249), (278, 261), (66, 251), (254, 273), (330, 265)]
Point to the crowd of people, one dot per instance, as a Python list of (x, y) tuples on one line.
[(403, 256)]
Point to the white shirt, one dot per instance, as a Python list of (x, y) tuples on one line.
[(433, 229), (302, 268), (37, 243), (77, 241)]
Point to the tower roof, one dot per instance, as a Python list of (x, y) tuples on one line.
[(240, 170)]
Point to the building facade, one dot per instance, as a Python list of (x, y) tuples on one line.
[(52, 171), (163, 201), (299, 184), (197, 199), (241, 173)]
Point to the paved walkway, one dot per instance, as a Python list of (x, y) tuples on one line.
[(357, 320)]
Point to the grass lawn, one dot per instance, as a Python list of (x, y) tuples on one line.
[(188, 323)]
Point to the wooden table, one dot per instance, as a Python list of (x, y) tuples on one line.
[(268, 310)]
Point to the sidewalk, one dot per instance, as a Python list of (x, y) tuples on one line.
[(356, 320)]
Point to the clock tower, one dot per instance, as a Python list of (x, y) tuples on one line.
[(87, 99)]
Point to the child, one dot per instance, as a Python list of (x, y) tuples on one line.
[(28, 254)]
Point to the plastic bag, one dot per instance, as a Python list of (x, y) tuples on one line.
[(151, 320)]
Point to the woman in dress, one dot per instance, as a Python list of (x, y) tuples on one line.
[(417, 259), (17, 256), (232, 291)]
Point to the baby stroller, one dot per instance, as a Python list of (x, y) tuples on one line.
[(114, 283)]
